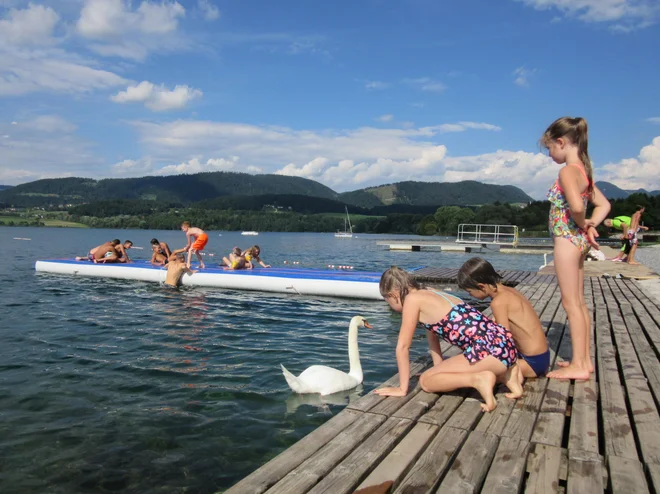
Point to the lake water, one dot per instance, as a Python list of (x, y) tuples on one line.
[(109, 385)]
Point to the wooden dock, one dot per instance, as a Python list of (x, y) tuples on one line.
[(598, 436), (474, 248)]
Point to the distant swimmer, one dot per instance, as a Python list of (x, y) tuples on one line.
[(197, 240), (101, 252), (176, 268)]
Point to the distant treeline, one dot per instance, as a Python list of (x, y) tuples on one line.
[(294, 213)]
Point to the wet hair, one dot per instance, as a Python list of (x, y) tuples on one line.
[(255, 250), (129, 242), (576, 131), (186, 224), (116, 241), (154, 241), (236, 251), (475, 271), (398, 281)]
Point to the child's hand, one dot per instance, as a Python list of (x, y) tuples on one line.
[(390, 392), (592, 235)]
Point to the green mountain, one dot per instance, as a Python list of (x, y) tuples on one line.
[(223, 188), (463, 193), (611, 191), (184, 189)]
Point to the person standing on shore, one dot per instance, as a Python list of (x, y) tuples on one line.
[(573, 233)]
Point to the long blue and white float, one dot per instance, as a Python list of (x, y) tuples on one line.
[(302, 281)]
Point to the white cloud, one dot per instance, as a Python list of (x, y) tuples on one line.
[(522, 75), (147, 166), (426, 84), (43, 147), (376, 85), (30, 61), (632, 13), (385, 118), (636, 173), (655, 120), (463, 126), (133, 34), (157, 98), (52, 70), (33, 25), (210, 11)]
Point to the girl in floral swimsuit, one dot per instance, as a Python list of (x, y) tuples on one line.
[(489, 353), (573, 233)]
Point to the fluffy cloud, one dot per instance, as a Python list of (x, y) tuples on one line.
[(147, 166), (628, 14), (133, 34), (31, 26), (385, 118), (157, 98), (31, 62), (642, 172), (43, 147), (654, 120), (522, 75), (210, 11), (426, 84)]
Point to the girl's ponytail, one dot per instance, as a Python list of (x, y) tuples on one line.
[(582, 142)]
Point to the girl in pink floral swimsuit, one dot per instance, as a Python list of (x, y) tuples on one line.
[(573, 233), (488, 353)]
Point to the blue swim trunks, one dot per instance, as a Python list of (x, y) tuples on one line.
[(539, 363)]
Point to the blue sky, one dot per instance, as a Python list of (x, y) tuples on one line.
[(349, 93)]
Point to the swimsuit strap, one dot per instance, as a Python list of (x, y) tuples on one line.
[(448, 299), (581, 168)]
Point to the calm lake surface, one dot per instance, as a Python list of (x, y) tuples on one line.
[(110, 385)]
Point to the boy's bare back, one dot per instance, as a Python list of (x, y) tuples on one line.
[(512, 310)]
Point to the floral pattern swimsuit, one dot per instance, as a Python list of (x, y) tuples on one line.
[(560, 222), (475, 334)]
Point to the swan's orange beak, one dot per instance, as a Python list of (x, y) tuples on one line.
[(367, 325)]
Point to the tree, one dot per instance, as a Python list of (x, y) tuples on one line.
[(449, 217)]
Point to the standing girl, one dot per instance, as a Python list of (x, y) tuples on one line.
[(488, 354), (567, 143)]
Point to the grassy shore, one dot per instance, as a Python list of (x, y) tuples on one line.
[(17, 220)]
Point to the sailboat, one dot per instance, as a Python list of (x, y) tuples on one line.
[(346, 233)]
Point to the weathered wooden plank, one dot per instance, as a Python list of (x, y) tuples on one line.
[(417, 406), (583, 433), (314, 468), (466, 415), (549, 429), (618, 435), (523, 417), (508, 467), (396, 464), (654, 475), (585, 473), (626, 476), (347, 475), (431, 465), (370, 400), (443, 409), (645, 419), (469, 469), (543, 466), (495, 421), (270, 473)]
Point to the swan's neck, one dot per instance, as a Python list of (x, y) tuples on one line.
[(353, 352)]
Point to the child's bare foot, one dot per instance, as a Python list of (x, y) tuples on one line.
[(201, 265), (485, 382), (566, 363), (513, 381), (570, 372), (633, 263)]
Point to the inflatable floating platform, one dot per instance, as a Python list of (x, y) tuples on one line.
[(301, 281)]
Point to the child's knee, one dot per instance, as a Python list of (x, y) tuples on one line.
[(424, 382)]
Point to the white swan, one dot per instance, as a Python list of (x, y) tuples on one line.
[(326, 380)]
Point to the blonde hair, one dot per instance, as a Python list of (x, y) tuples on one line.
[(398, 281), (186, 224), (253, 251), (576, 131)]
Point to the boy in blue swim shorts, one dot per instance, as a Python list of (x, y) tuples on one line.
[(513, 311)]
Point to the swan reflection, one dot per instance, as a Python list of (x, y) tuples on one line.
[(322, 403)]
